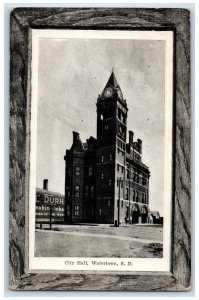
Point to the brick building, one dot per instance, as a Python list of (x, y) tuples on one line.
[(105, 178)]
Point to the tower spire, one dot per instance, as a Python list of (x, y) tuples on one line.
[(112, 89)]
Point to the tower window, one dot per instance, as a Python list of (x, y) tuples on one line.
[(77, 191), (109, 203), (90, 171), (68, 210), (109, 182), (92, 191), (102, 176), (77, 210), (111, 157), (101, 117), (102, 158), (86, 191), (68, 192), (100, 211), (77, 171)]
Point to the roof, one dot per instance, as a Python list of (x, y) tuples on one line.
[(155, 213), (49, 192), (139, 163), (112, 81)]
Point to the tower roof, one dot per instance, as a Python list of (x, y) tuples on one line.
[(112, 81), (112, 90)]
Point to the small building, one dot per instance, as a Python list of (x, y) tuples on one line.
[(105, 178), (154, 217), (49, 205)]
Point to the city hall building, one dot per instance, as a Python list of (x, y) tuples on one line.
[(105, 178)]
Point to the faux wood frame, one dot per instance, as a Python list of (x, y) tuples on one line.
[(21, 21)]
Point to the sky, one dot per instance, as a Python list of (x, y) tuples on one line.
[(71, 75)]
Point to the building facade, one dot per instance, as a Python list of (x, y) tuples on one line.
[(50, 206), (105, 179)]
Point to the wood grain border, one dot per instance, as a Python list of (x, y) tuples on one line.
[(21, 21)]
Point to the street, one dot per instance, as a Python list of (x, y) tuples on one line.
[(135, 241)]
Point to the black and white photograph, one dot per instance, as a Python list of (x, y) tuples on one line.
[(100, 149), (102, 122)]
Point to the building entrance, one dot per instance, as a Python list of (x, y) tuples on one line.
[(144, 214), (135, 214)]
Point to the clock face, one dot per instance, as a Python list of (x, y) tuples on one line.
[(108, 92)]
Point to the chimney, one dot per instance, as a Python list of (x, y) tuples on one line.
[(139, 142), (131, 134), (45, 184), (75, 136)]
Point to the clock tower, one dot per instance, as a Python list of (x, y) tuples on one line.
[(111, 150)]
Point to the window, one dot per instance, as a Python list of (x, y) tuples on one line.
[(137, 196), (127, 193), (68, 192), (92, 191), (68, 210), (86, 191), (122, 203), (77, 210), (77, 191), (119, 113), (118, 167), (142, 198), (102, 176), (137, 177), (109, 182), (134, 176), (109, 203), (106, 127), (101, 117), (134, 195), (77, 171), (102, 158), (145, 201), (122, 169), (100, 211), (110, 157), (90, 171), (127, 174)]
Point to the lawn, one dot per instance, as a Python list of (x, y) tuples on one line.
[(99, 241)]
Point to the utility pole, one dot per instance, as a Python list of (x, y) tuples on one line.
[(129, 201), (118, 216), (50, 217)]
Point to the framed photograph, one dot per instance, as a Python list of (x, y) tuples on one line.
[(100, 149)]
